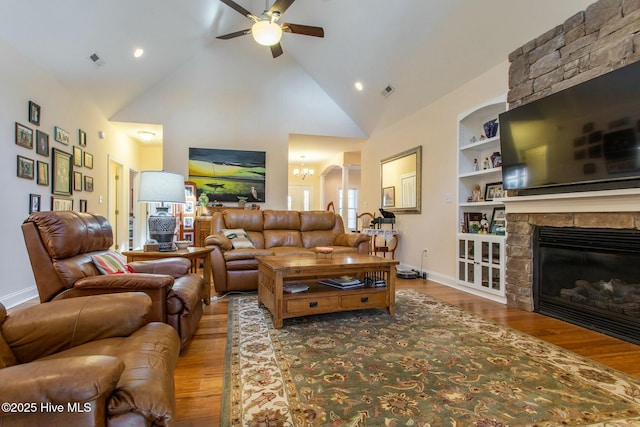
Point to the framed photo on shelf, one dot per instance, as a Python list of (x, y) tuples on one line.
[(472, 221), (77, 156), (188, 236), (34, 113), (389, 197), (34, 203), (493, 191), (61, 204), (61, 181), (43, 173), (24, 136), (25, 168), (499, 221), (42, 143)]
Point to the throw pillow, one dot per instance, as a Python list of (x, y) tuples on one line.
[(112, 262), (239, 238)]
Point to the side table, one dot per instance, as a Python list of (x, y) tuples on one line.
[(192, 253)]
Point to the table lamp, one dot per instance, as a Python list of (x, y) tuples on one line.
[(161, 187)]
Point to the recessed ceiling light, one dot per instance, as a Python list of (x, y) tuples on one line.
[(146, 135), (138, 52), (359, 86)]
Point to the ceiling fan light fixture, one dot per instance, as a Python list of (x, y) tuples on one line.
[(266, 33)]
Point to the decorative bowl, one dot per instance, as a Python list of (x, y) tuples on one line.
[(182, 244), (324, 250)]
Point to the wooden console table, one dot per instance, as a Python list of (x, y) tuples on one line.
[(274, 271), (192, 253)]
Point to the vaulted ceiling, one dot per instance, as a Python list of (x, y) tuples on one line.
[(422, 48)]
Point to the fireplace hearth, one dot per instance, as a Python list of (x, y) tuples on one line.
[(589, 277)]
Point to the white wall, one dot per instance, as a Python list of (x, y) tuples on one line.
[(20, 82), (435, 129), (245, 103)]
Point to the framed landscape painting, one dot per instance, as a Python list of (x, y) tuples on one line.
[(228, 175)]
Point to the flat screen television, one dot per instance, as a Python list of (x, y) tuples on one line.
[(585, 137)]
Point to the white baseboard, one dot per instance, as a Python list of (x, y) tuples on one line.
[(453, 283), (19, 297)]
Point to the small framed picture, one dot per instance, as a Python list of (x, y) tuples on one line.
[(493, 191), (188, 236), (83, 205), (24, 136), (61, 135), (61, 174), (77, 156), (88, 183), (34, 113), (34, 203), (42, 143), (61, 204), (499, 221), (88, 160), (188, 222), (43, 173), (26, 167), (82, 138), (189, 207), (389, 197), (77, 181)]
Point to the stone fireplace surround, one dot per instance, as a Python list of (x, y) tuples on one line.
[(618, 209), (602, 38)]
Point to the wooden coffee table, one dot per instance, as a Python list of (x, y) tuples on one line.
[(274, 271)]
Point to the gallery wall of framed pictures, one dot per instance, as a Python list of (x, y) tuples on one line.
[(66, 166)]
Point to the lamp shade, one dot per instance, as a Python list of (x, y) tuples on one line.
[(266, 33), (161, 187)]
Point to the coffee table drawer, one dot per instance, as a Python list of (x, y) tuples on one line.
[(364, 300), (312, 305)]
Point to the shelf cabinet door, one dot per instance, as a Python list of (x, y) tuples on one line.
[(481, 262)]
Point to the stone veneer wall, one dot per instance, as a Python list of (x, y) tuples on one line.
[(590, 43)]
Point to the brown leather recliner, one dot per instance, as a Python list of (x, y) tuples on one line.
[(60, 246), (89, 361)]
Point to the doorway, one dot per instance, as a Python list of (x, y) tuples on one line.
[(300, 197)]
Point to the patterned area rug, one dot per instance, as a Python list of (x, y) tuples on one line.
[(431, 364)]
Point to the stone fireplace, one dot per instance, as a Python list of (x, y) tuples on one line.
[(604, 37), (595, 210)]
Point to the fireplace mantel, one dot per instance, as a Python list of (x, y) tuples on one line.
[(625, 200)]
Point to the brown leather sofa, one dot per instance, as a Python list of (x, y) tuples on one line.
[(60, 246), (89, 361), (273, 232)]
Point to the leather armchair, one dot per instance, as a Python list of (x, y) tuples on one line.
[(88, 361), (61, 245)]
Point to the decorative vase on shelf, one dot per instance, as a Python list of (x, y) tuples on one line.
[(491, 128)]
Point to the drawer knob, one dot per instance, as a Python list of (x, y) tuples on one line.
[(313, 304), (364, 299)]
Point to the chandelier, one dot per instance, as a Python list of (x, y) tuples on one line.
[(302, 172)]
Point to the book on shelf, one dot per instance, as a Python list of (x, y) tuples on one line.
[(294, 287), (344, 282)]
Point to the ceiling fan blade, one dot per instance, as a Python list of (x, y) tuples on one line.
[(306, 30), (276, 50), (280, 6), (234, 35), (235, 6)]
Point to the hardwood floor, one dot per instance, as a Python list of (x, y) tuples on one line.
[(200, 370)]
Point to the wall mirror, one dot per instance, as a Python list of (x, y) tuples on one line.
[(401, 178)]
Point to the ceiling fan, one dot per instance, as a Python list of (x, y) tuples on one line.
[(266, 30)]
